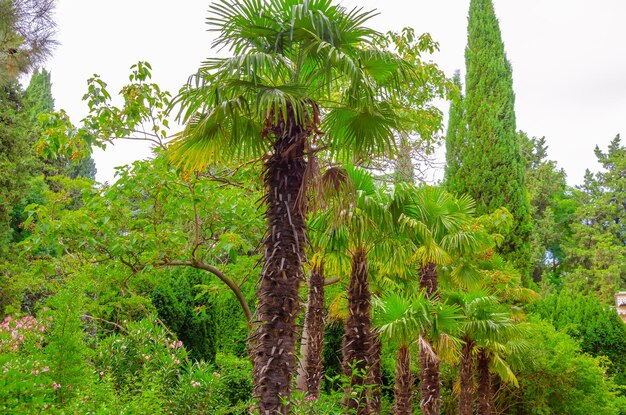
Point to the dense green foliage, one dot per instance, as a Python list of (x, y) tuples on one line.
[(596, 254), (192, 321), (15, 157), (552, 208), (598, 328), (555, 378), (139, 296)]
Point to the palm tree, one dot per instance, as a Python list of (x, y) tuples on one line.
[(440, 228), (483, 321), (492, 360), (357, 224), (401, 319), (303, 72)]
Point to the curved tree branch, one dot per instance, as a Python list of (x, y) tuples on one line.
[(219, 274)]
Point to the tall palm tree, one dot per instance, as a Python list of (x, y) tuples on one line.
[(484, 321), (303, 72), (440, 228), (356, 224)]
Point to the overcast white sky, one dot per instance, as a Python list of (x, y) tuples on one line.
[(568, 57)]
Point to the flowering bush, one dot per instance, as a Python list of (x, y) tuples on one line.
[(25, 380), (145, 353)]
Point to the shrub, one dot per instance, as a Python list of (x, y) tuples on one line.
[(146, 353)]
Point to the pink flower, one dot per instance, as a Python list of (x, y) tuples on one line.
[(311, 398), (195, 384), (56, 385)]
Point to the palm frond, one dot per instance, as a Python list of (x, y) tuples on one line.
[(227, 131), (504, 371), (465, 274), (355, 134), (401, 318)]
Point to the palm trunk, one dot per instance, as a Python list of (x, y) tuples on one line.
[(375, 375), (357, 336), (278, 300), (430, 382), (466, 397), (430, 374), (484, 384), (310, 372), (429, 280), (404, 384)]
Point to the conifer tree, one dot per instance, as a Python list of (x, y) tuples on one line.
[(487, 163), (455, 137), (39, 95)]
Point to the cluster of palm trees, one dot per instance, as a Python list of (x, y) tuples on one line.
[(307, 80), (398, 239)]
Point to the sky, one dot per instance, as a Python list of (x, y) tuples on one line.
[(568, 59)]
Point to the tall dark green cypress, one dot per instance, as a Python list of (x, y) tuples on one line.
[(39, 95), (455, 140), (490, 166)]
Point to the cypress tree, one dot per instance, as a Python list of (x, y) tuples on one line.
[(455, 140), (487, 163), (39, 95)]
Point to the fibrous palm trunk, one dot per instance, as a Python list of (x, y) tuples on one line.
[(278, 300), (430, 380), (403, 404), (484, 384), (429, 280), (466, 397), (430, 374), (357, 336), (375, 374), (310, 372)]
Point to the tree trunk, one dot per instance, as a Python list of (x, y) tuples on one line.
[(430, 374), (404, 171), (404, 384), (375, 374), (278, 300), (484, 385), (310, 372), (357, 336), (466, 397), (430, 382), (429, 280)]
